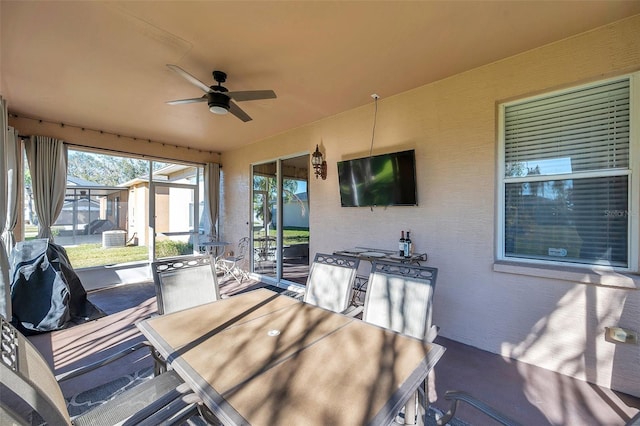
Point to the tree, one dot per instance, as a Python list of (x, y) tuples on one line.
[(265, 190), (106, 170)]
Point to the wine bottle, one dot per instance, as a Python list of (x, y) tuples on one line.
[(408, 246), (401, 244)]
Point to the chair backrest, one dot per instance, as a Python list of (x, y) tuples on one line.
[(399, 297), (243, 248), (26, 381), (184, 282), (330, 281)]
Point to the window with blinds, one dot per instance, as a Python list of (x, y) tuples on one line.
[(566, 177)]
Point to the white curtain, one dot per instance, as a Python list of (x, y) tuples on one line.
[(14, 185), (47, 159), (5, 283), (212, 194)]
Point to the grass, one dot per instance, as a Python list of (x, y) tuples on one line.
[(86, 255), (289, 236)]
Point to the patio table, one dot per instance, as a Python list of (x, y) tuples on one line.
[(214, 248), (262, 358)]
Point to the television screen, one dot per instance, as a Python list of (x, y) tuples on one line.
[(379, 180)]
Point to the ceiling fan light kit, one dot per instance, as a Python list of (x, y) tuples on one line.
[(218, 97), (217, 109)]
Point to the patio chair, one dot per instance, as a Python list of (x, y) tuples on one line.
[(399, 297), (330, 281), (184, 282), (234, 265), (31, 393)]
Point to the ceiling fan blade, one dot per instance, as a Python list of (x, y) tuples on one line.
[(191, 79), (238, 112), (188, 101), (251, 95)]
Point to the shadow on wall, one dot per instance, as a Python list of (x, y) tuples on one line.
[(577, 349), (626, 357)]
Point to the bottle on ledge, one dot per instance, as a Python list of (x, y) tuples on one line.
[(401, 244), (408, 246)]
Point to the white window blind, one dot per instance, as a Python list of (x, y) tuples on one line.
[(566, 176), (582, 130)]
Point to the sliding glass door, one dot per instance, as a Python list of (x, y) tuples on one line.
[(280, 212), (265, 197)]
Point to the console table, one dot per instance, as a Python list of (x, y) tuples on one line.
[(372, 255)]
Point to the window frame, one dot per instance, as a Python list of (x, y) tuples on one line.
[(633, 189)]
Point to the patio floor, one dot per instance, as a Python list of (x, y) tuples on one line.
[(528, 394)]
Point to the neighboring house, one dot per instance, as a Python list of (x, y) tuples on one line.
[(295, 212), (91, 208), (174, 205)]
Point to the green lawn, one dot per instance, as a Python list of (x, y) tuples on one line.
[(87, 255), (290, 236)]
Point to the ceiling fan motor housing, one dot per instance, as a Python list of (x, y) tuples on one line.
[(218, 99)]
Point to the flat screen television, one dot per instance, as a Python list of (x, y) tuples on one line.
[(379, 180)]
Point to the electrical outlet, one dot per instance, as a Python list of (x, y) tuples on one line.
[(620, 335)]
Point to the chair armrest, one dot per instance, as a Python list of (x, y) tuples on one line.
[(353, 311), (170, 410), (432, 333), (635, 420), (457, 396), (90, 367)]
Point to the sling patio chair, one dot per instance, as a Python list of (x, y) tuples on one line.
[(184, 282), (399, 297), (31, 393), (234, 265), (330, 281)]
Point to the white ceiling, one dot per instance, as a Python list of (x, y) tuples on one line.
[(102, 65)]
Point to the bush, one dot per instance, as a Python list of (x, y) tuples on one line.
[(173, 248)]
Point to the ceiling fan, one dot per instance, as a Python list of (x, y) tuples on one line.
[(218, 97)]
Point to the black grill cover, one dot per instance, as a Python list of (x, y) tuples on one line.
[(46, 293)]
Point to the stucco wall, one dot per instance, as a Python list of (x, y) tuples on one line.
[(554, 323)]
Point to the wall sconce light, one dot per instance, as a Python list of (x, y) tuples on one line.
[(319, 165)]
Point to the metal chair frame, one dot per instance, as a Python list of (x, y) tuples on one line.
[(231, 265), (27, 383)]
